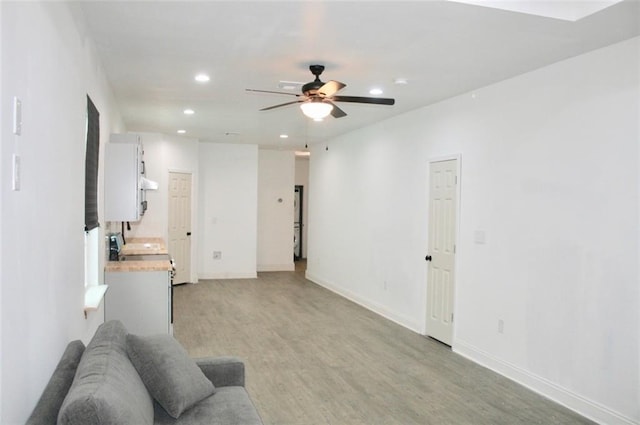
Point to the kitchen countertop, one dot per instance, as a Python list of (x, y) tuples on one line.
[(137, 246)]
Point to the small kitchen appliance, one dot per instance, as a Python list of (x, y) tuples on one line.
[(115, 245)]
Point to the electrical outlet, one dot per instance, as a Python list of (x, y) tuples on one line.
[(480, 237), (217, 255), (500, 326)]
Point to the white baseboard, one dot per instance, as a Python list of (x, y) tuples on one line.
[(247, 275), (585, 407), (276, 267), (368, 304)]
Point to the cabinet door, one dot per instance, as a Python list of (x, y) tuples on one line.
[(122, 182), (140, 300)]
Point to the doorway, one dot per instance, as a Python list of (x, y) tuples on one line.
[(443, 216), (298, 224), (180, 225)]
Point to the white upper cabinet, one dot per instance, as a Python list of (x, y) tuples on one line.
[(124, 197)]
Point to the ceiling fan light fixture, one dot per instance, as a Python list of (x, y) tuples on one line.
[(316, 109)]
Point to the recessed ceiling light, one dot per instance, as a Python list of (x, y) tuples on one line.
[(202, 78), (181, 131), (375, 91), (284, 136), (189, 112), (400, 81)]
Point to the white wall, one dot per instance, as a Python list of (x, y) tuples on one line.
[(164, 154), (302, 179), (276, 170), (550, 172), (42, 274), (228, 194), (2, 108)]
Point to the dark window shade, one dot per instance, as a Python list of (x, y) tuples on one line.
[(91, 167)]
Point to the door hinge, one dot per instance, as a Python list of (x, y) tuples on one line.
[(454, 248), (456, 179), (451, 317)]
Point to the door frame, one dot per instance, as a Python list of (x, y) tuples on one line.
[(300, 217), (194, 224), (456, 266)]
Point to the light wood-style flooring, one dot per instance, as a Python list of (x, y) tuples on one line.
[(315, 358)]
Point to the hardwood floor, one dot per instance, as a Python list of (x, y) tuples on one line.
[(313, 357)]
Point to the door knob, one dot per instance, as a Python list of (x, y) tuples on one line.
[(188, 233), (427, 258)]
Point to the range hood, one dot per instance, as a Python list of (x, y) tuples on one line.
[(147, 184)]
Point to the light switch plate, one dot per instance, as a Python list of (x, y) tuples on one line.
[(15, 180), (17, 116)]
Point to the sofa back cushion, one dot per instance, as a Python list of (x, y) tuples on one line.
[(107, 389), (172, 377)]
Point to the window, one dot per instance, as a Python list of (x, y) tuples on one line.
[(93, 291), (91, 167)]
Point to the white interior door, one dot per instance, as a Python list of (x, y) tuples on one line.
[(180, 225), (443, 180)]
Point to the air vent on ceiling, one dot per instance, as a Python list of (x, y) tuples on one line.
[(290, 85)]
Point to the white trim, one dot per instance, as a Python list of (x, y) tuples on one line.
[(178, 170), (456, 267), (92, 257), (93, 296), (248, 275), (567, 398), (403, 321), (440, 158), (558, 394), (276, 267)]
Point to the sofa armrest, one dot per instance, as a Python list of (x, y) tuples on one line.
[(223, 371), (47, 408)]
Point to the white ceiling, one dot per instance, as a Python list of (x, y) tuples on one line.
[(152, 50), (558, 9)]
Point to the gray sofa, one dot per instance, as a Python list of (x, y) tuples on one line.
[(122, 379)]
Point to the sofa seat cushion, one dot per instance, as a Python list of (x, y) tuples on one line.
[(171, 376), (227, 406), (107, 389)]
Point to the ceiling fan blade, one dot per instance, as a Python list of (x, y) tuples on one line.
[(272, 92), (330, 88), (359, 99), (282, 104), (336, 112)]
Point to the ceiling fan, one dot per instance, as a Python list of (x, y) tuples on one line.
[(317, 98)]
